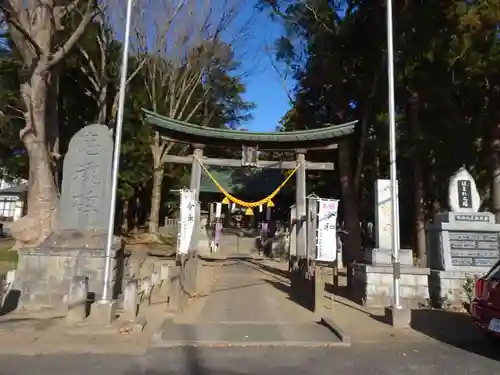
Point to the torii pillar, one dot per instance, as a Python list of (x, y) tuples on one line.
[(300, 203)]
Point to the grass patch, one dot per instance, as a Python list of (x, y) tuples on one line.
[(8, 259)]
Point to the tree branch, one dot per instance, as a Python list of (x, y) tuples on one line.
[(16, 17), (76, 35), (315, 15), (281, 76)]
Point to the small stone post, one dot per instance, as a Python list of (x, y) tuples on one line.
[(130, 299), (2, 290), (164, 272), (155, 278), (77, 299)]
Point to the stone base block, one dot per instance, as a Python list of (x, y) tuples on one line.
[(373, 285), (398, 318), (139, 325), (384, 257), (448, 287), (77, 299), (3, 285), (103, 313), (44, 274), (77, 313)]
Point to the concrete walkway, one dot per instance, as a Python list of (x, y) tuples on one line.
[(247, 306)]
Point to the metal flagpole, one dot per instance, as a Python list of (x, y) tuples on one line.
[(116, 154), (392, 158)]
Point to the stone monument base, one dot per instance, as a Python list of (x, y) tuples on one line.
[(447, 287), (44, 273), (373, 285), (384, 257)]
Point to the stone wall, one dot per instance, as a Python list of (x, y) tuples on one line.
[(43, 275), (373, 286), (447, 287)]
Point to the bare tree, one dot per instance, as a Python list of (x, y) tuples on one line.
[(33, 26), (183, 40), (109, 22)]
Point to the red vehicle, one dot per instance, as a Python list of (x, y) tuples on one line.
[(485, 308)]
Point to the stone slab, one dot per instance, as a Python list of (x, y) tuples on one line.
[(140, 324), (383, 212), (373, 285), (398, 317), (103, 313), (389, 269), (457, 275), (43, 275), (464, 245), (447, 287), (463, 196), (477, 218), (384, 256), (244, 334), (85, 200), (336, 329)]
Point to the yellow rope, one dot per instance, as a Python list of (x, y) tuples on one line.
[(241, 203)]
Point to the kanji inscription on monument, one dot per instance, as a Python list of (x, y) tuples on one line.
[(474, 248), (463, 196), (86, 186)]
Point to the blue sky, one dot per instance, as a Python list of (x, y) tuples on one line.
[(263, 83)]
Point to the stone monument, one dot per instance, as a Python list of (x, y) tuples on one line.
[(77, 245), (461, 243), (382, 253), (373, 284)]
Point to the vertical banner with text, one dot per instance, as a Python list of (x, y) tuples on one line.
[(327, 230), (187, 216)]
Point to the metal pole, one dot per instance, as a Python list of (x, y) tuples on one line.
[(392, 158), (116, 155)]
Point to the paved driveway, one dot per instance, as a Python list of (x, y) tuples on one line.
[(423, 358)]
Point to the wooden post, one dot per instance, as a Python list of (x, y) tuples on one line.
[(293, 233), (312, 210), (313, 280), (300, 201)]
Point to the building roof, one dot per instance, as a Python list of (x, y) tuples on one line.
[(190, 133), (15, 190)]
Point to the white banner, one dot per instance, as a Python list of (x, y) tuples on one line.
[(188, 211), (218, 210), (327, 230)]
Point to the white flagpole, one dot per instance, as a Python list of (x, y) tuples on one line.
[(392, 158), (106, 295)]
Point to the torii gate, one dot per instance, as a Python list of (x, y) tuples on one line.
[(198, 137)]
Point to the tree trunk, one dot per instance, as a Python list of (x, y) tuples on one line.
[(418, 183), (154, 216), (53, 136), (124, 220), (38, 223), (103, 105), (495, 159), (351, 206), (367, 109), (137, 213), (361, 152), (158, 149)]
